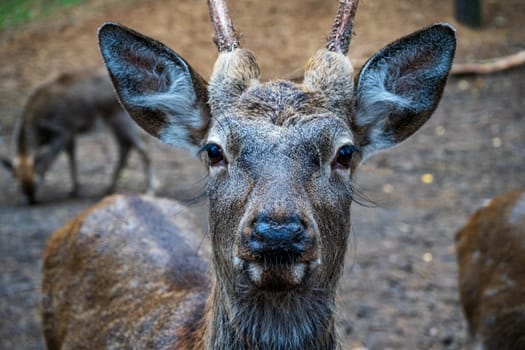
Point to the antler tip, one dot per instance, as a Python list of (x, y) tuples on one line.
[(341, 34)]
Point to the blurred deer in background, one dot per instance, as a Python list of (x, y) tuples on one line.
[(280, 156), (491, 259), (55, 113)]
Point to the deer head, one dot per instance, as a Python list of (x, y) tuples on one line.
[(280, 155), (27, 167)]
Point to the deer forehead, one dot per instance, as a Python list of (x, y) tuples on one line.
[(281, 102), (280, 115)]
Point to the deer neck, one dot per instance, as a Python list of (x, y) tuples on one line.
[(242, 318)]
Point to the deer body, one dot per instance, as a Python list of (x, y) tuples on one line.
[(147, 262), (280, 157), (56, 113), (491, 259)]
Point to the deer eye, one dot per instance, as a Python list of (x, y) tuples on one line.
[(344, 155), (215, 154)]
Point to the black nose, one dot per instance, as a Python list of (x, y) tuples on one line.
[(279, 242)]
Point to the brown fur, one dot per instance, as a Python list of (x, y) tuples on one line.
[(491, 259), (56, 113), (87, 263)]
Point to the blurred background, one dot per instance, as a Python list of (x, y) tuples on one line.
[(399, 290)]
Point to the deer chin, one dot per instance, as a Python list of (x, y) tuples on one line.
[(277, 277)]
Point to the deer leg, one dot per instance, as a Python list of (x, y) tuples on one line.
[(125, 145), (124, 148), (48, 152), (148, 169), (128, 137), (70, 151)]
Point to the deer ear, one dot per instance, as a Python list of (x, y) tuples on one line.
[(160, 91), (401, 85)]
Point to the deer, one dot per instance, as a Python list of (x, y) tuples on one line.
[(55, 113), (490, 250), (280, 157)]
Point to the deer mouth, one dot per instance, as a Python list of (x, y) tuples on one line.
[(272, 276)]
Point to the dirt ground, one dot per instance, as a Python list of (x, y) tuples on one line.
[(399, 289)]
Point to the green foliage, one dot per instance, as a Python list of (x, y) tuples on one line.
[(15, 12)]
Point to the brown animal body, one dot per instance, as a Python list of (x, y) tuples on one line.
[(56, 113), (280, 157), (142, 253), (491, 259)]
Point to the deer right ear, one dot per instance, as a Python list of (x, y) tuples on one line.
[(160, 91)]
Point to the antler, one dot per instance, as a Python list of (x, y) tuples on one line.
[(226, 37), (339, 39)]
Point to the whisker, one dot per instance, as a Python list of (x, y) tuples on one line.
[(196, 193), (353, 246), (361, 198), (205, 234)]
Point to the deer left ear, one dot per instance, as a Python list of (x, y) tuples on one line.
[(399, 88)]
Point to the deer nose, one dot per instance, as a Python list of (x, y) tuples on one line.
[(279, 242)]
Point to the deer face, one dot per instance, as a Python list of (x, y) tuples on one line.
[(280, 155), (280, 166)]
